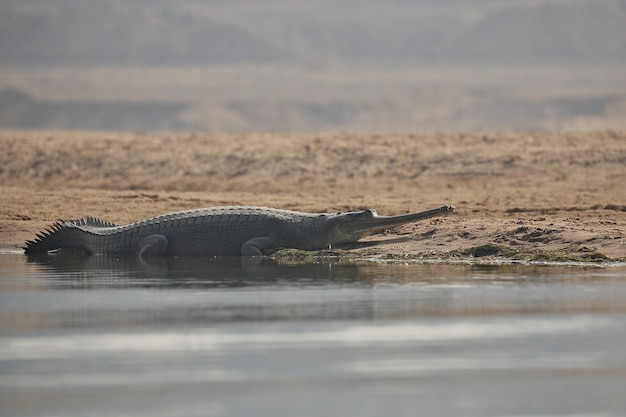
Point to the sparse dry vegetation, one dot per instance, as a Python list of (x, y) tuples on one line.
[(503, 185)]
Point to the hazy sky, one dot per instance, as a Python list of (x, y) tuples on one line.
[(299, 65)]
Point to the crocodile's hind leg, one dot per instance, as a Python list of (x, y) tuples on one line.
[(256, 246), (153, 245)]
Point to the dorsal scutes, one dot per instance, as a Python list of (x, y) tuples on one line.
[(89, 221)]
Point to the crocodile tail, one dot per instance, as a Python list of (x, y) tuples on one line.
[(64, 234), (50, 239)]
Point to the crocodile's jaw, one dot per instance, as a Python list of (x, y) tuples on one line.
[(359, 224)]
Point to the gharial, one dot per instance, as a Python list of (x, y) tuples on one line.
[(220, 231)]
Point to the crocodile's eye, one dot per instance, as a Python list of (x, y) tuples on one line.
[(365, 214)]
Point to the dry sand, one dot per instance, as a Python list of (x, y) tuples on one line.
[(532, 196)]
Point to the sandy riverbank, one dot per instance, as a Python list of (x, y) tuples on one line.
[(550, 193)]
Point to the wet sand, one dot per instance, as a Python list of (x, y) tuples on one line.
[(546, 196)]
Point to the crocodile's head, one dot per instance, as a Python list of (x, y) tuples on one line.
[(350, 227)]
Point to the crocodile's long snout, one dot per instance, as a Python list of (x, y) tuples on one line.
[(376, 222)]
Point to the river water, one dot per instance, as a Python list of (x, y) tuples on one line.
[(105, 336)]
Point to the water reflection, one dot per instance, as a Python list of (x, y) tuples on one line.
[(218, 272), (191, 272), (100, 291), (118, 336)]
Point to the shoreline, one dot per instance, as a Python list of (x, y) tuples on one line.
[(557, 194)]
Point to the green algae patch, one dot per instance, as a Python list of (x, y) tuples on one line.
[(503, 252), (481, 253), (490, 250)]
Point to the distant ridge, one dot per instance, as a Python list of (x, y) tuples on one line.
[(20, 110), (184, 32)]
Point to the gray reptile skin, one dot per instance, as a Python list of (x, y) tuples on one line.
[(220, 231)]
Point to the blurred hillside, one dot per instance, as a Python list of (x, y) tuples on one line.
[(296, 65), (390, 33)]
